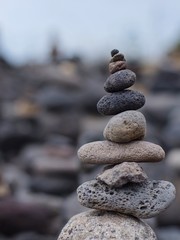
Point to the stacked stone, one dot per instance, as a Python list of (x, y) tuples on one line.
[(122, 193)]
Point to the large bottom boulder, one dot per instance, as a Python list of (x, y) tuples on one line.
[(105, 225)]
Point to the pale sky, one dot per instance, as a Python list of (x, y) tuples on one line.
[(91, 27)]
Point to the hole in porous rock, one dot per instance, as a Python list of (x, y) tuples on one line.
[(154, 196), (70, 231), (101, 213), (143, 207), (155, 184)]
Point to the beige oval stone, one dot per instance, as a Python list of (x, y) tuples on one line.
[(106, 225), (106, 152), (125, 127)]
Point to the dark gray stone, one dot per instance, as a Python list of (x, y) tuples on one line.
[(142, 200), (120, 80), (121, 101)]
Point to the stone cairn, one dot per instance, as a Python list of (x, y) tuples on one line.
[(122, 193)]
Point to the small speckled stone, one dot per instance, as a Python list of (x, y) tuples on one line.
[(118, 102), (120, 80), (106, 152), (142, 200), (103, 225), (123, 173), (125, 127)]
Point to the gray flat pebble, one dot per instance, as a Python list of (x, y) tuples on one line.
[(125, 127), (123, 173), (106, 152), (142, 200), (103, 225), (120, 80), (118, 102)]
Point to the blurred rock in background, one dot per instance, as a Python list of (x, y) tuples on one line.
[(48, 110)]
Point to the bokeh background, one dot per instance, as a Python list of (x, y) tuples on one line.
[(53, 63)]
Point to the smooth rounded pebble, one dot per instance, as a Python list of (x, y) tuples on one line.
[(106, 152), (120, 80), (117, 66), (102, 225), (142, 200), (120, 174), (125, 127), (121, 101)]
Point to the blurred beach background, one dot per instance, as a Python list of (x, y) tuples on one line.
[(53, 63)]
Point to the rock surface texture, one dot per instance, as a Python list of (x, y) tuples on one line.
[(103, 225), (106, 152), (143, 200), (125, 127), (122, 193), (121, 101), (120, 174), (120, 80)]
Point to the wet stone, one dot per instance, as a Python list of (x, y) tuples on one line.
[(106, 225), (142, 200), (106, 152), (122, 174), (125, 127), (121, 101), (120, 80)]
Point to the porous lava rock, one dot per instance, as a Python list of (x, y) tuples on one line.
[(120, 80), (142, 200), (121, 101)]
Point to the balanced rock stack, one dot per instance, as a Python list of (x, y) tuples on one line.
[(122, 193)]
